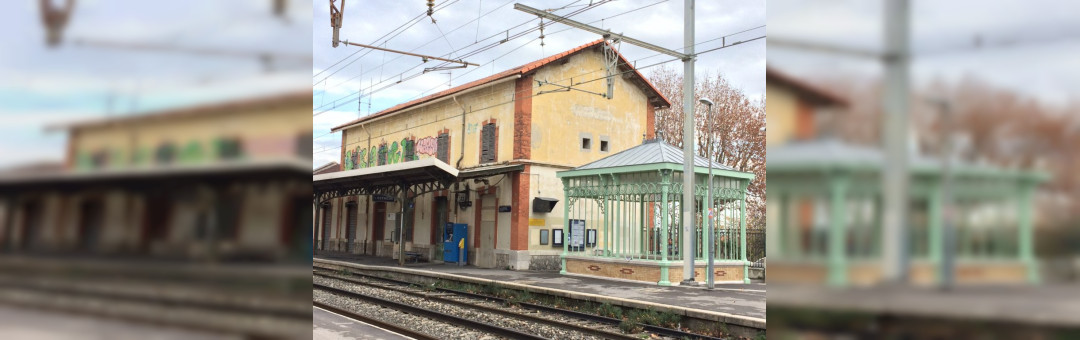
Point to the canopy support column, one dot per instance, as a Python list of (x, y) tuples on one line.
[(665, 186), (1026, 253), (837, 272)]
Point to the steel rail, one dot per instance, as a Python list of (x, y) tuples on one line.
[(525, 317), (374, 322), (581, 315), (450, 319)]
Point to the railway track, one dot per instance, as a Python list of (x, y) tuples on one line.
[(587, 325)]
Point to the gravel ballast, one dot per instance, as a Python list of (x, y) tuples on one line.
[(520, 325)]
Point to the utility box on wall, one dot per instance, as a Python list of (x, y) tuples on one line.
[(544, 204)]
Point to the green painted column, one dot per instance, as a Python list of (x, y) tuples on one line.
[(665, 186), (837, 266), (1024, 219), (742, 230), (643, 229), (566, 222), (608, 228), (776, 235), (936, 221)]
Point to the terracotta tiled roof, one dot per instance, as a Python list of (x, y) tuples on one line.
[(520, 70), (803, 89), (256, 103), (327, 168)]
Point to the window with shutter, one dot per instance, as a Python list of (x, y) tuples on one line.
[(382, 155), (100, 159), (443, 149), (487, 143), (303, 146), (410, 151), (229, 148), (165, 153)]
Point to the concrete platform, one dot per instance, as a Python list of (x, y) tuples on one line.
[(327, 325), (1050, 306), (24, 323), (742, 301)]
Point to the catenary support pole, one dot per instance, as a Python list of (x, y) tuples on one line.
[(686, 247), (895, 175)]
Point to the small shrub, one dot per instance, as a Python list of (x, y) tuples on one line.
[(630, 327), (610, 311)]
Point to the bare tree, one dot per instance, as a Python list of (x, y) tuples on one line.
[(738, 141)]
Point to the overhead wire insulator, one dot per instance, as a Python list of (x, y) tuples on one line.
[(541, 32), (431, 10)]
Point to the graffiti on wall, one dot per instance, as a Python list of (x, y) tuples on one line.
[(427, 146), (396, 152)]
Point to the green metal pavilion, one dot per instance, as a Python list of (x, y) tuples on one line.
[(824, 224), (622, 217)]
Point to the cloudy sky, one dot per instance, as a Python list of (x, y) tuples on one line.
[(659, 22), (41, 86), (1026, 46)]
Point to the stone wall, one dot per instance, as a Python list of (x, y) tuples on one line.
[(545, 263)]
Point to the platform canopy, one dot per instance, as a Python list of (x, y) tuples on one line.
[(419, 176), (152, 177)]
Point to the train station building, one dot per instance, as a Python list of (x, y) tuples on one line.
[(193, 183), (484, 154)]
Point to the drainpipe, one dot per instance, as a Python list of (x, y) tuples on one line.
[(462, 132)]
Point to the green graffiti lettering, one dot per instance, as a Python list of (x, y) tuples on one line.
[(371, 157), (193, 152), (394, 155)]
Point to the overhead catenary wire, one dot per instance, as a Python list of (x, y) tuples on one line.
[(385, 39), (384, 62), (739, 43), (499, 34), (402, 78), (567, 29)]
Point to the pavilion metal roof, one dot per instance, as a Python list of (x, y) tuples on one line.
[(654, 151), (831, 153)]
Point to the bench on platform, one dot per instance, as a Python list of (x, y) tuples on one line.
[(412, 256)]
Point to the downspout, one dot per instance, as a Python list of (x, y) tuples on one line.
[(458, 164)]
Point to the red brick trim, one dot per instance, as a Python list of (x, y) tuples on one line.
[(344, 146), (523, 117), (495, 236), (519, 218), (650, 120), (69, 160), (804, 121)]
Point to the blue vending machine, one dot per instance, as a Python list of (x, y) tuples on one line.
[(455, 237)]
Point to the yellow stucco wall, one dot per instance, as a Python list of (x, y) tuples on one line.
[(266, 132), (485, 103), (560, 118), (782, 106)]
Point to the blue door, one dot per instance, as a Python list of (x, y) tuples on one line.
[(454, 235)]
